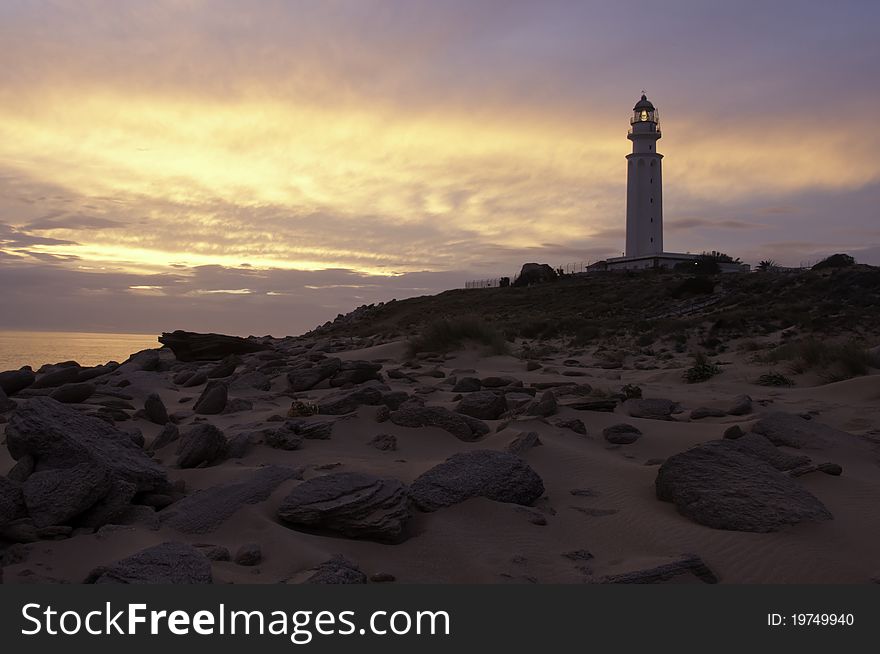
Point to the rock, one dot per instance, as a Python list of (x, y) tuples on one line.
[(395, 399), (356, 372), (384, 442), (225, 368), (352, 504), (207, 509), (717, 486), (535, 273), (212, 400), (190, 346), (337, 570), (342, 402), (157, 501), (734, 431), (13, 381), (87, 374), (484, 405), (461, 426), (606, 406), (110, 507), (251, 381), (499, 382), (655, 409), (12, 505), (742, 406), (318, 431), (203, 443), (828, 468), (688, 564), (155, 410), (249, 554), (56, 497), (544, 407), (68, 375), (532, 365), (237, 405), (168, 435), (304, 379), (196, 379), (621, 434), (575, 424), (498, 476), (383, 414), (73, 393), (139, 515), (706, 412), (168, 563), (57, 436), (382, 577), (523, 443), (285, 437), (791, 430), (467, 385)]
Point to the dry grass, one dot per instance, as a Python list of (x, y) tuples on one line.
[(450, 334)]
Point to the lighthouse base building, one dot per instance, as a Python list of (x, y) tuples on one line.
[(644, 200)]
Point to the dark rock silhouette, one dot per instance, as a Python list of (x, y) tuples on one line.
[(168, 563), (192, 346)]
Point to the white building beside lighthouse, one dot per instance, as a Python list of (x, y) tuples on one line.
[(644, 199)]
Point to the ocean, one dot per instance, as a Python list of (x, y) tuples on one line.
[(18, 348)]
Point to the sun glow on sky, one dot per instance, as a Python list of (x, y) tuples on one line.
[(160, 139)]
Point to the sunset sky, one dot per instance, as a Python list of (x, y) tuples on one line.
[(260, 167)]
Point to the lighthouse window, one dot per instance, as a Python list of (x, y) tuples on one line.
[(650, 147), (652, 200), (652, 239)]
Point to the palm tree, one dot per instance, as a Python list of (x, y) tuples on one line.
[(767, 265)]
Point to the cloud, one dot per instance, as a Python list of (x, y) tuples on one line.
[(10, 237), (72, 222), (695, 223)]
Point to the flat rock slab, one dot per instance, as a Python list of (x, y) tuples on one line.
[(58, 436), (688, 564), (207, 509), (717, 486), (191, 346), (788, 429), (168, 563), (459, 425), (498, 476), (655, 409), (352, 504)]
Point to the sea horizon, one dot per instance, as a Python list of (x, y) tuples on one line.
[(22, 347)]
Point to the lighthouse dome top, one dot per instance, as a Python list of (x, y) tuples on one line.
[(644, 103)]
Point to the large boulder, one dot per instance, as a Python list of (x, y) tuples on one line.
[(495, 475), (535, 273), (213, 399), (461, 426), (207, 509), (284, 437), (356, 372), (788, 429), (168, 563), (12, 381), (73, 393), (5, 403), (154, 409), (57, 436), (352, 504), (545, 407), (304, 379), (656, 409), (57, 496), (225, 368), (716, 485), (58, 377), (759, 447), (250, 381), (622, 434), (484, 405), (341, 402), (337, 570), (190, 346), (202, 444)]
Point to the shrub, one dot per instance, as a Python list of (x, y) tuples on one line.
[(835, 261), (774, 379), (449, 334), (631, 391), (700, 285), (836, 361), (701, 371)]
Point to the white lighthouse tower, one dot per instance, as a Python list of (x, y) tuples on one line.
[(644, 183)]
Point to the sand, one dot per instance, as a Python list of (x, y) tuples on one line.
[(481, 541)]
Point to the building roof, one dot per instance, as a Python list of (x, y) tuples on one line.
[(644, 103)]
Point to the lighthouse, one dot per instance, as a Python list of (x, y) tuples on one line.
[(644, 183)]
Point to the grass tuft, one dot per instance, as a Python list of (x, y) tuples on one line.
[(452, 333)]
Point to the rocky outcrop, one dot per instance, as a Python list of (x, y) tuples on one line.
[(73, 393), (352, 504), (356, 372), (57, 496), (168, 563), (716, 485), (191, 346), (788, 429), (11, 501), (342, 402), (535, 273), (13, 381), (461, 426), (202, 444), (495, 475), (304, 379)]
